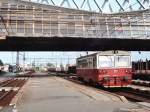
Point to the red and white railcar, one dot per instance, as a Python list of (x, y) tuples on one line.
[(106, 68)]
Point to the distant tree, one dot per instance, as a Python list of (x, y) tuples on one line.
[(67, 65), (1, 63), (6, 64), (50, 65), (61, 65)]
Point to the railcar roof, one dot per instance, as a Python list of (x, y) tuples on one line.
[(106, 53)]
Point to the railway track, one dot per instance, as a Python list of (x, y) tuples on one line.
[(141, 83), (14, 82), (6, 94), (134, 95)]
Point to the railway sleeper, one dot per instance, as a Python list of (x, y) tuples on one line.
[(138, 93), (5, 94)]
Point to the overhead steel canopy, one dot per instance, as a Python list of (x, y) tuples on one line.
[(20, 18), (33, 26)]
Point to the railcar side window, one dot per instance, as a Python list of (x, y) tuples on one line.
[(90, 63), (82, 63), (122, 61), (106, 61)]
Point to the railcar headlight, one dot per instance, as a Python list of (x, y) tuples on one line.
[(126, 78), (106, 78), (128, 71)]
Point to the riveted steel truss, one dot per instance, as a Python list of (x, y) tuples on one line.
[(99, 5)]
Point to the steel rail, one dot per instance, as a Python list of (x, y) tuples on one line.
[(10, 81)]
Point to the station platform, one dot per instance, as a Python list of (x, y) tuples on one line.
[(54, 94)]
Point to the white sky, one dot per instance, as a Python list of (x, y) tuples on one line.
[(135, 5), (57, 57)]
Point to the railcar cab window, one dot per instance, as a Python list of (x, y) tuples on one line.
[(86, 63), (122, 61), (106, 61)]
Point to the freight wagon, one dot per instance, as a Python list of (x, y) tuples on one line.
[(141, 69), (72, 69)]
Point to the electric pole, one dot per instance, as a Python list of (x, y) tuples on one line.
[(17, 58), (24, 61)]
